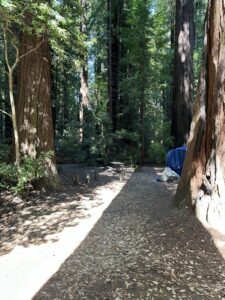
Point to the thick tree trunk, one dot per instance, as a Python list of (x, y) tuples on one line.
[(183, 71), (34, 105), (114, 48), (202, 184), (169, 110)]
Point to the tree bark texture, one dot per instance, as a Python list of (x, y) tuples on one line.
[(183, 71), (84, 100), (14, 118), (34, 106), (142, 119), (202, 183), (5, 120), (114, 48)]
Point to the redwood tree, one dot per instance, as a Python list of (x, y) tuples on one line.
[(114, 51), (202, 183), (34, 106), (183, 70), (83, 72)]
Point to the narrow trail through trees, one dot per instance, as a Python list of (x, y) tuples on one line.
[(142, 248)]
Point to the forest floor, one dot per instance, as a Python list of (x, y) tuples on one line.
[(106, 240)]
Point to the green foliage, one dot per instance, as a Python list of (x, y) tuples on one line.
[(8, 175), (69, 150), (157, 153), (19, 179), (200, 11), (4, 152), (146, 60), (59, 20), (127, 146), (31, 171), (126, 136)]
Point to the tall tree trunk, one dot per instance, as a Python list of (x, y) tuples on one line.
[(83, 75), (114, 48), (14, 118), (34, 105), (183, 71), (202, 184), (7, 130), (65, 104), (83, 99), (11, 68), (142, 119), (172, 46)]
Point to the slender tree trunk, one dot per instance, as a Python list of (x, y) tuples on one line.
[(34, 102), (7, 31), (83, 75), (183, 71), (110, 80), (7, 121), (202, 183), (14, 118), (142, 117), (65, 102), (84, 98)]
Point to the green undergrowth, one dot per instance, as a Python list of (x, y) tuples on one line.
[(22, 179)]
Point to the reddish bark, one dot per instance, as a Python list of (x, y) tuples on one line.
[(183, 71), (114, 53), (202, 183), (34, 106)]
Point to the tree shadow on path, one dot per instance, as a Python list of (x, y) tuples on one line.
[(38, 218), (142, 248)]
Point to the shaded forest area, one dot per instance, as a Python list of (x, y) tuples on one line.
[(99, 81), (96, 81)]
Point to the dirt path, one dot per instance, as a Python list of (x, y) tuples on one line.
[(141, 248)]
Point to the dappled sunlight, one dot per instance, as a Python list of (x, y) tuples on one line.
[(34, 134), (184, 42), (141, 248), (37, 235)]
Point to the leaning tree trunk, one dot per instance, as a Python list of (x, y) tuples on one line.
[(202, 183), (183, 71), (34, 106)]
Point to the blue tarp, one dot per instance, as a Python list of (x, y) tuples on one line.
[(175, 159)]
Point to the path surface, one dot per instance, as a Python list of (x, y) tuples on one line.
[(141, 248)]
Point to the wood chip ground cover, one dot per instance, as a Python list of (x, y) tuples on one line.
[(141, 248)]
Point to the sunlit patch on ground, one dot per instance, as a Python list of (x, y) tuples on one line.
[(37, 235)]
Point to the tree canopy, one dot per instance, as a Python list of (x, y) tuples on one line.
[(111, 78)]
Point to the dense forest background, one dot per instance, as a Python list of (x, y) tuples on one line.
[(107, 74)]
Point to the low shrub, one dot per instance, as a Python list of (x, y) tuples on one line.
[(157, 153), (20, 179), (4, 152), (8, 176)]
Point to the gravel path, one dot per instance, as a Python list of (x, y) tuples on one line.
[(141, 248)]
